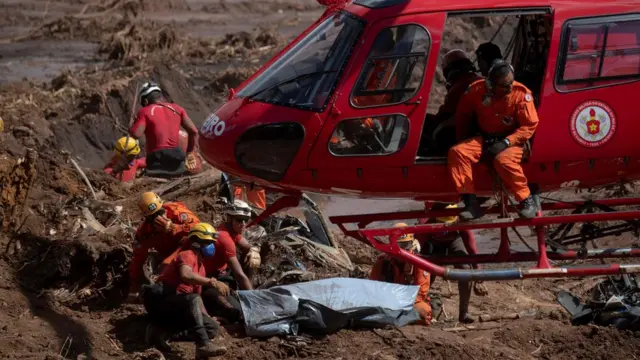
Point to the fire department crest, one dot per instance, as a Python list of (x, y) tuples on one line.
[(593, 123)]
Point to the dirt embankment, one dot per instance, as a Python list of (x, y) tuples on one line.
[(65, 255)]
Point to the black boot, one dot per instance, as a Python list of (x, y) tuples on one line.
[(472, 209), (208, 350), (529, 208), (157, 337)]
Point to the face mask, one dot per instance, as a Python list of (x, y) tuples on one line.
[(208, 250)]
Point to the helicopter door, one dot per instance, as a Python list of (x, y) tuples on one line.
[(377, 116)]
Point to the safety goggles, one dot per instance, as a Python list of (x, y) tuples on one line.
[(241, 219)]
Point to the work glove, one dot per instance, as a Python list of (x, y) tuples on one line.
[(497, 148), (191, 162), (162, 223), (222, 288), (252, 259)]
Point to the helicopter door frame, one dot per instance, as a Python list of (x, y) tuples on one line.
[(413, 109)]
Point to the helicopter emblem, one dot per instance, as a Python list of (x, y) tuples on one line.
[(593, 123)]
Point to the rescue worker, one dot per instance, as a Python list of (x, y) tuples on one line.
[(159, 121), (164, 227), (486, 54), (226, 267), (174, 304), (125, 164), (459, 73), (506, 118), (453, 243), (391, 270)]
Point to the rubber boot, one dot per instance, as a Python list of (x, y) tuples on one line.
[(464, 292), (472, 209), (529, 208), (208, 350), (158, 338)]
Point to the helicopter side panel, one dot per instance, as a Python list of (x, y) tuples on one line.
[(587, 109)]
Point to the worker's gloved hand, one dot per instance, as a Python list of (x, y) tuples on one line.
[(190, 161), (222, 288), (497, 148), (133, 298), (162, 223), (253, 259), (479, 289)]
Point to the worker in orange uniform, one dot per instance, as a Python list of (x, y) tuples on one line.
[(160, 121), (254, 195), (125, 164), (391, 270), (506, 120), (459, 73), (174, 303), (225, 266), (453, 243), (164, 227)]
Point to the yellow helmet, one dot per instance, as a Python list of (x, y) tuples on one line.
[(127, 145), (150, 203), (204, 231), (448, 219), (405, 237)]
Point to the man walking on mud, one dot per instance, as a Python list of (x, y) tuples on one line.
[(160, 121)]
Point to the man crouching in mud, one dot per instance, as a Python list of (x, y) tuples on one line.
[(174, 303)]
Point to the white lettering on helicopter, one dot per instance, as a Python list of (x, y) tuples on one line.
[(212, 127)]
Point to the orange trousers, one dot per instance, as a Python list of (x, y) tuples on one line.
[(507, 164)]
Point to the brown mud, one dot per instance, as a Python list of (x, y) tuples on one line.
[(64, 253)]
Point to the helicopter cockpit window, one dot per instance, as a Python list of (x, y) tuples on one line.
[(395, 68), (381, 135), (306, 75)]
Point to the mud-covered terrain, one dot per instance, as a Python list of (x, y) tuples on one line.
[(68, 77)]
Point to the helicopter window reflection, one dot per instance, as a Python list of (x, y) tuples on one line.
[(600, 51), (306, 75), (395, 68), (382, 135)]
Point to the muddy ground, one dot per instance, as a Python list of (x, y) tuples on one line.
[(68, 73)]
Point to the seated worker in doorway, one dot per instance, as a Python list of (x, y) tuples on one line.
[(125, 164), (506, 119), (453, 243), (486, 54), (164, 227), (459, 73), (225, 266), (391, 270), (160, 121), (174, 304)]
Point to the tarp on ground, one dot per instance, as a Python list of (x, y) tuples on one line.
[(325, 306)]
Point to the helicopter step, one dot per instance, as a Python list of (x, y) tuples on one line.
[(558, 240)]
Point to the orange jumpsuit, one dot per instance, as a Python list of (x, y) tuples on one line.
[(455, 93), (400, 276), (166, 244), (513, 116), (256, 197)]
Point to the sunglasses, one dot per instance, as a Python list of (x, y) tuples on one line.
[(241, 219)]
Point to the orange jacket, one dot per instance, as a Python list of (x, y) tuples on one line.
[(256, 197), (381, 77), (454, 94), (400, 276), (513, 116), (166, 244)]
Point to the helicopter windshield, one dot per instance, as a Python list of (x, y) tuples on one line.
[(305, 76)]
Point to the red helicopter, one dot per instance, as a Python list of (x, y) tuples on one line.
[(293, 126)]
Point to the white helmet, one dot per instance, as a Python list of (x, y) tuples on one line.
[(148, 88), (239, 208)]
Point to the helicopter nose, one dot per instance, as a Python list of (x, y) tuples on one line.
[(237, 143)]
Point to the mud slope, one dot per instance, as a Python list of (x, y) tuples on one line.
[(64, 254)]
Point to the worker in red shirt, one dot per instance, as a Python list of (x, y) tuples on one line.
[(226, 267), (459, 73), (125, 164), (160, 121), (494, 120), (174, 302), (391, 270), (453, 243), (164, 227)]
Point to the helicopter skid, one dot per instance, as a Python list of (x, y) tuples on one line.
[(542, 257)]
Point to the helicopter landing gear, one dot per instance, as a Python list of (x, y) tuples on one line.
[(385, 240)]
